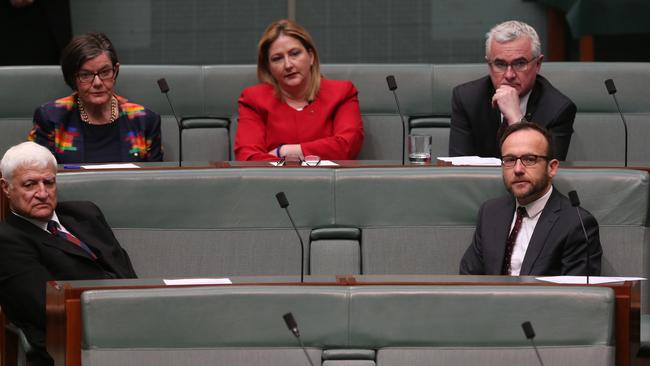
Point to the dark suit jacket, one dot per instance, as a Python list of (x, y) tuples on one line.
[(30, 256), (474, 122), (557, 246)]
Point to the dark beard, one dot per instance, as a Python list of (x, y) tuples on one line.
[(537, 190)]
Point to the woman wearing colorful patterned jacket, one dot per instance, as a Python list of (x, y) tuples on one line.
[(94, 125)]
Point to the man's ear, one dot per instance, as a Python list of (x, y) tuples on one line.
[(552, 167), (5, 186)]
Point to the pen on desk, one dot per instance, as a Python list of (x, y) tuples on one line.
[(72, 167)]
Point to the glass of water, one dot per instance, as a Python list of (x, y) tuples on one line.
[(419, 149)]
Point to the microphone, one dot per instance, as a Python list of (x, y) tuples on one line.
[(284, 203), (392, 86), (164, 88), (293, 327), (575, 202), (611, 89), (530, 334)]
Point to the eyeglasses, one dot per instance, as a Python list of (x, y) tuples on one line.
[(509, 161), (87, 76), (311, 160), (518, 65)]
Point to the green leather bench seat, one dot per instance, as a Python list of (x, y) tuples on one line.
[(242, 325), (226, 222)]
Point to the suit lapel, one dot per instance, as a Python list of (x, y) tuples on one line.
[(533, 100), (494, 115), (543, 228), (78, 228), (45, 237), (503, 216)]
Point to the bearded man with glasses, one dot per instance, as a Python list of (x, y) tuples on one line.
[(95, 125), (513, 92), (534, 230)]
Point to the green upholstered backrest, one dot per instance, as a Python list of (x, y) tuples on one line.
[(475, 316), (22, 90), (424, 91), (245, 198), (204, 321), (411, 220)]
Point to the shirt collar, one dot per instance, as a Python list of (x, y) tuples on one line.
[(40, 223), (535, 208)]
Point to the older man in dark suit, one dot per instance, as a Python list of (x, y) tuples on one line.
[(534, 230), (513, 92), (42, 241)]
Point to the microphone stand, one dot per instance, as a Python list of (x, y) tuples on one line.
[(164, 88)]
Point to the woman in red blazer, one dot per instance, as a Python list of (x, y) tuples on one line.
[(294, 111)]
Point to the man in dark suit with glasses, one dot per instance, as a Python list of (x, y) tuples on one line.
[(534, 230), (513, 92)]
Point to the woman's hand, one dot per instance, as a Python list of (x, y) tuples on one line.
[(288, 150)]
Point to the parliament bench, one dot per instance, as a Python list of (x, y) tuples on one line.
[(347, 325), (205, 98), (411, 220)]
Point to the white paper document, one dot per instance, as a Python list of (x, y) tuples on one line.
[(577, 280), (471, 161), (322, 163), (110, 166), (198, 281)]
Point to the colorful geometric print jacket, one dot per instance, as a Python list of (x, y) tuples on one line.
[(57, 126)]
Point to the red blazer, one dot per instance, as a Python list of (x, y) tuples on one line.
[(329, 127)]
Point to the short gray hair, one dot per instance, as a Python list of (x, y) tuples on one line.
[(511, 30), (28, 154)]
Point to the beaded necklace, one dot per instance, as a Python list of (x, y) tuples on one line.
[(86, 119)]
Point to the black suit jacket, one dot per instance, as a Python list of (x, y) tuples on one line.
[(474, 122), (30, 256), (557, 246)]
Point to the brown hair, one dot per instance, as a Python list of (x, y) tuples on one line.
[(81, 49), (550, 151), (292, 29)]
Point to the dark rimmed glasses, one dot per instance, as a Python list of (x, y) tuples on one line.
[(509, 161), (311, 160), (518, 65), (87, 76)]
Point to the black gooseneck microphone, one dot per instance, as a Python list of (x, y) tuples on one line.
[(575, 202), (284, 203), (611, 89), (392, 86), (293, 327), (530, 334), (164, 88)]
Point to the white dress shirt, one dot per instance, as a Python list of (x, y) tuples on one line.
[(533, 212)]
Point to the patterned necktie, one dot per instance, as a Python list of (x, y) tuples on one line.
[(53, 227), (512, 238)]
